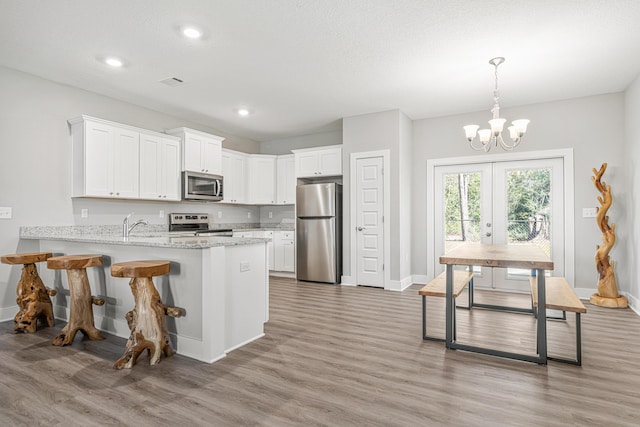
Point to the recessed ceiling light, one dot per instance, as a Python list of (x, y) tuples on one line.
[(192, 32), (114, 62), (243, 112)]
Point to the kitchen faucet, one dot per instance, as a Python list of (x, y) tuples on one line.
[(126, 228)]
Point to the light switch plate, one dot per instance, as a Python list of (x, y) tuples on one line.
[(5, 213), (589, 212), (245, 266)]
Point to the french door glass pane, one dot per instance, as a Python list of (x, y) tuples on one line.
[(529, 210), (462, 209)]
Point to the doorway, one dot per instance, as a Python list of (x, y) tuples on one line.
[(505, 200)]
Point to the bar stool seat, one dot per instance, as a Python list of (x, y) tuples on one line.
[(33, 296), (81, 309), (147, 320)]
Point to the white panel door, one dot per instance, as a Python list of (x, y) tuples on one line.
[(369, 225)]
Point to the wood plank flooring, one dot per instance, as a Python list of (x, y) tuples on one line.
[(337, 356)]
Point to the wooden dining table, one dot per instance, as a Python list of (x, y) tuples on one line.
[(502, 256)]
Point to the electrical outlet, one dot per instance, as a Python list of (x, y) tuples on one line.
[(219, 214), (249, 215), (161, 214), (84, 213), (245, 266), (5, 213), (589, 212), (270, 214)]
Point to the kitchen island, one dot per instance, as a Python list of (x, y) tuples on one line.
[(221, 282)]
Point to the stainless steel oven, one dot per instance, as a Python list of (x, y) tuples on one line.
[(201, 186)]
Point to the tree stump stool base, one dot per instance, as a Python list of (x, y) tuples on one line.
[(147, 320), (600, 301), (81, 309), (33, 296)]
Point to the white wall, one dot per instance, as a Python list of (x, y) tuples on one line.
[(592, 126), (35, 168), (285, 145), (632, 165), (387, 130)]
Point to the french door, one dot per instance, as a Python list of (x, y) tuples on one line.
[(510, 202)]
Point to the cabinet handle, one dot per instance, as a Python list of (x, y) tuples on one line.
[(159, 196), (117, 194), (111, 193)]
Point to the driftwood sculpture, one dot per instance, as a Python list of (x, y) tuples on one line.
[(607, 295), (33, 297)]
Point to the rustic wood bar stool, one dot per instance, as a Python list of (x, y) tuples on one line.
[(81, 309), (147, 320), (33, 297)]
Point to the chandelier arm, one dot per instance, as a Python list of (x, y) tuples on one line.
[(472, 145)]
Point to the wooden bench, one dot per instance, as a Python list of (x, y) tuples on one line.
[(438, 288), (561, 296)]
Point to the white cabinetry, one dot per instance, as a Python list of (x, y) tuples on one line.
[(281, 248), (286, 180), (284, 251), (262, 179), (105, 159), (201, 152), (234, 172), (159, 167), (315, 162)]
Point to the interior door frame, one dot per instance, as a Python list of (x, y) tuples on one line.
[(566, 154), (386, 183)]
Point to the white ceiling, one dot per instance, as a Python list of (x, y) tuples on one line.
[(302, 65)]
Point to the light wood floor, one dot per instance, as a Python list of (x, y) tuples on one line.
[(337, 356)]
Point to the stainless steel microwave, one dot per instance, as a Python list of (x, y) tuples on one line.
[(201, 186)]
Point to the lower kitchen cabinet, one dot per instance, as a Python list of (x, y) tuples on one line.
[(281, 247), (285, 253)]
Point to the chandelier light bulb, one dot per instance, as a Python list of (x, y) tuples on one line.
[(493, 136)]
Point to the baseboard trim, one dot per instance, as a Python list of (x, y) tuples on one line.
[(420, 279), (634, 303), (399, 285), (347, 281)]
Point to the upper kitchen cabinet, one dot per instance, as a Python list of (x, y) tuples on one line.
[(317, 162), (234, 173), (201, 152), (262, 179), (159, 167), (286, 180), (105, 158)]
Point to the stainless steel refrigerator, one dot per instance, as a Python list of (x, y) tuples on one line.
[(319, 232)]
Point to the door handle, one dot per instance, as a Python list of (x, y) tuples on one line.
[(361, 228), (488, 234)]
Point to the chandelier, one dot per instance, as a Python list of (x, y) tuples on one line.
[(493, 136)]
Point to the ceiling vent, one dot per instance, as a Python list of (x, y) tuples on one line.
[(172, 81)]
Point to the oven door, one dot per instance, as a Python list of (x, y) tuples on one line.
[(200, 186)]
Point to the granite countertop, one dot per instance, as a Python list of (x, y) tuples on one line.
[(107, 235)]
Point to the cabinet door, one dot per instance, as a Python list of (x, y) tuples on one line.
[(98, 159), (212, 156), (306, 164), (330, 161), (262, 179), (127, 163), (150, 167), (239, 176), (288, 255), (193, 153), (286, 188), (170, 170), (227, 183)]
